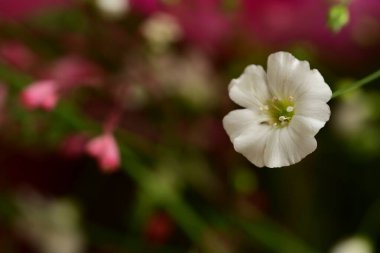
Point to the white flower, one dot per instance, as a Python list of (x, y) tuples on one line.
[(286, 107), (51, 225), (352, 114), (113, 8), (353, 245), (161, 30)]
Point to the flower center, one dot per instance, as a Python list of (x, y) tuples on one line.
[(280, 112)]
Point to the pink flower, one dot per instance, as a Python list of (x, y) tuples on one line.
[(278, 22), (17, 55), (283, 24), (11, 9), (41, 94), (145, 6), (3, 99), (74, 145), (74, 70), (204, 22), (104, 148)]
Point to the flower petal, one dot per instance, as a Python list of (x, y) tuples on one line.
[(251, 143), (250, 89), (306, 125), (238, 121), (287, 76), (313, 87), (318, 110), (286, 146)]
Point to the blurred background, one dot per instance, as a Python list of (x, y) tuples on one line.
[(111, 136)]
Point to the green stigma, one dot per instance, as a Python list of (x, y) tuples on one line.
[(281, 111)]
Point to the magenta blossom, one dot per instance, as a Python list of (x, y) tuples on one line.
[(104, 148), (145, 6), (74, 145), (19, 9), (3, 100), (17, 54), (40, 94), (356, 45), (73, 70), (279, 21), (204, 23)]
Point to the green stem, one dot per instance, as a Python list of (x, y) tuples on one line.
[(357, 84), (187, 218)]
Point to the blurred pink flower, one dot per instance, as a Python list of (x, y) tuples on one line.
[(3, 100), (204, 23), (17, 54), (18, 9), (159, 228), (74, 70), (145, 6), (296, 23), (104, 148), (281, 21), (74, 145), (40, 94), (357, 44)]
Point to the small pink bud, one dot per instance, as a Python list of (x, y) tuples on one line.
[(41, 94), (104, 148)]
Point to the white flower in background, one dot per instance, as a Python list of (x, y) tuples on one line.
[(113, 8), (52, 226), (351, 114), (190, 77), (353, 245), (286, 107), (160, 30)]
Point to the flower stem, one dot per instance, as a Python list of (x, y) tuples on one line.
[(357, 84)]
